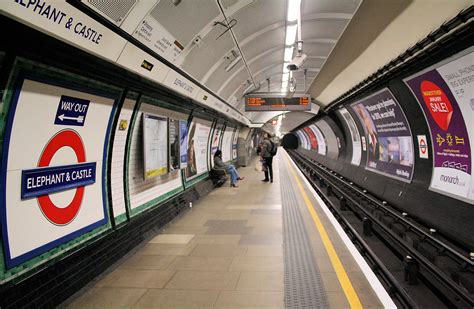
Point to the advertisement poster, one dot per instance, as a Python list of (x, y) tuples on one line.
[(234, 144), (227, 144), (155, 145), (330, 138), (305, 140), (215, 140), (390, 143), (355, 137), (312, 138), (183, 143), (197, 148), (57, 189), (446, 96), (301, 139), (320, 139)]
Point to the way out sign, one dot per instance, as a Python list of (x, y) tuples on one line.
[(422, 146), (71, 111)]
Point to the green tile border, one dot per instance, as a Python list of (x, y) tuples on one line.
[(155, 202)]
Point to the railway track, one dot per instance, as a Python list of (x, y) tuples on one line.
[(418, 267)]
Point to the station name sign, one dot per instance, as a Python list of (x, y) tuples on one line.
[(277, 103)]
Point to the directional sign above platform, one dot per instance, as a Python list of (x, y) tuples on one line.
[(71, 111)]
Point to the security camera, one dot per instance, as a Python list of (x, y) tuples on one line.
[(297, 62)]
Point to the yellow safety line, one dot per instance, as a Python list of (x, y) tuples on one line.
[(346, 284)]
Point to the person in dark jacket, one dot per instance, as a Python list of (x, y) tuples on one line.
[(267, 157), (234, 175)]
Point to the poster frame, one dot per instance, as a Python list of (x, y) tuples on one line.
[(159, 118), (421, 72), (366, 167)]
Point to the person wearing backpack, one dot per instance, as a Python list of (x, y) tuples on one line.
[(267, 153)]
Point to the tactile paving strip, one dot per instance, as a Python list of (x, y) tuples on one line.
[(303, 285)]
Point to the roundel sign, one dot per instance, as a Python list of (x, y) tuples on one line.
[(47, 179), (423, 146)]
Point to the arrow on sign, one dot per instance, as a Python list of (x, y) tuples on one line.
[(79, 119)]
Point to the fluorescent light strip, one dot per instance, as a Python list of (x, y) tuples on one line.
[(290, 34), (293, 10), (288, 54)]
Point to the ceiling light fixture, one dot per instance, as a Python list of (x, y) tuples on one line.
[(293, 10), (290, 35), (292, 31), (288, 54)]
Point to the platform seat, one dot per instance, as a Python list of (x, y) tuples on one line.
[(218, 176)]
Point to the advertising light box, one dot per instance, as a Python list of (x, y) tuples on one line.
[(390, 143), (445, 93), (277, 103)]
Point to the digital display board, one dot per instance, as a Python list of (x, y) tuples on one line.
[(277, 103)]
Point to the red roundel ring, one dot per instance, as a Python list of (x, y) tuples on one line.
[(65, 138)]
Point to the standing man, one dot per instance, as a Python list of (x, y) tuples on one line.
[(267, 157)]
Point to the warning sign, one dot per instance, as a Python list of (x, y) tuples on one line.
[(422, 147)]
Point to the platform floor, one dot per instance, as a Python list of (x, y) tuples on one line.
[(258, 245)]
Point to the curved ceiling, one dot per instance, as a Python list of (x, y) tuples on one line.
[(345, 41)]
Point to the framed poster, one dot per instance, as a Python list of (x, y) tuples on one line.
[(390, 143), (445, 93), (197, 148), (183, 143), (234, 144), (155, 145)]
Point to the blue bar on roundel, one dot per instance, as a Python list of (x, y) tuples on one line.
[(46, 180)]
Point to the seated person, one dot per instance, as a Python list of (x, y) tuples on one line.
[(218, 163)]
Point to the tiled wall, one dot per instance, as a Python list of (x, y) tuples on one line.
[(118, 160)]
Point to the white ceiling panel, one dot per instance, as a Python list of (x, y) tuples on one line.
[(269, 58), (323, 28), (259, 15), (293, 119), (314, 63), (318, 49), (232, 83), (228, 3), (186, 19), (330, 6), (272, 71), (201, 58), (265, 42)]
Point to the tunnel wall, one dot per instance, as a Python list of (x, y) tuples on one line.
[(409, 191), (39, 77)]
